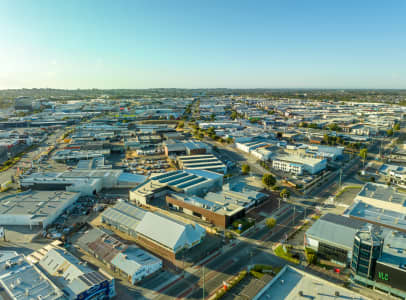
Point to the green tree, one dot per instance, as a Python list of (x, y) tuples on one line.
[(230, 140), (181, 124), (396, 126), (268, 180), (270, 222), (284, 193), (212, 117), (279, 135), (389, 132), (245, 169), (363, 153), (171, 117), (233, 115)]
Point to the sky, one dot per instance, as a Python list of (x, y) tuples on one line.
[(202, 44)]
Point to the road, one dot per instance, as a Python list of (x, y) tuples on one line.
[(27, 159), (255, 249)]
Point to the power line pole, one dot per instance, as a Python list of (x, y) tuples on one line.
[(203, 282)]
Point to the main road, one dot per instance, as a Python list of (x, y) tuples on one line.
[(255, 249)]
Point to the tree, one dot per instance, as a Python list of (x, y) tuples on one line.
[(245, 169), (230, 140), (270, 222), (396, 126), (363, 154), (212, 117), (233, 115), (181, 124), (171, 117), (279, 135), (268, 180), (389, 132), (284, 193), (334, 127)]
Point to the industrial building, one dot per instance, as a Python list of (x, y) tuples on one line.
[(158, 233), (382, 196), (71, 275), (87, 182), (294, 284), (190, 182), (174, 148), (207, 162), (68, 155), (35, 208), (298, 164), (129, 260), (393, 173), (22, 281), (237, 193), (218, 213), (332, 237), (380, 204)]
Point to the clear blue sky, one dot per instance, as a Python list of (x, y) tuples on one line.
[(203, 44)]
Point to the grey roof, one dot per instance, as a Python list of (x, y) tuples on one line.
[(289, 282), (69, 272), (129, 259), (374, 214), (39, 204), (126, 214), (23, 281), (335, 229), (382, 192), (172, 234), (394, 250), (133, 259)]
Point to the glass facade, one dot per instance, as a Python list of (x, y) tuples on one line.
[(329, 252), (366, 250)]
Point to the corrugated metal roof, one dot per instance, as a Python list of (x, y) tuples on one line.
[(170, 233), (335, 229)]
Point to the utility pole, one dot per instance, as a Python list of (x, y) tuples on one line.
[(203, 282)]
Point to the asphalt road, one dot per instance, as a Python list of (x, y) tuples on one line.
[(256, 249)]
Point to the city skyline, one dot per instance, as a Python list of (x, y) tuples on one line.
[(180, 44)]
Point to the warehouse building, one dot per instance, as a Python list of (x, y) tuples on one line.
[(218, 213), (190, 182), (129, 260), (298, 164), (71, 275), (35, 208), (207, 162), (22, 281), (380, 205), (87, 182), (159, 234), (332, 237), (382, 196)]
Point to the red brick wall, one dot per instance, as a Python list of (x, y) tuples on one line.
[(212, 217)]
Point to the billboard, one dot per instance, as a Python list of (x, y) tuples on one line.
[(393, 277)]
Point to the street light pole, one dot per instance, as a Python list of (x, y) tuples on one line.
[(203, 283)]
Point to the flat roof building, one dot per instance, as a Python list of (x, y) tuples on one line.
[(22, 281), (218, 213), (297, 164), (35, 208), (332, 237), (190, 182)]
